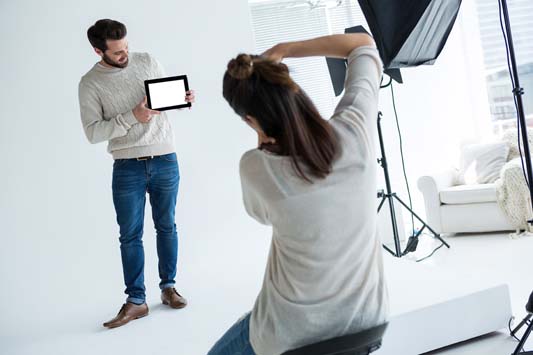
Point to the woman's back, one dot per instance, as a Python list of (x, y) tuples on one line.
[(324, 275)]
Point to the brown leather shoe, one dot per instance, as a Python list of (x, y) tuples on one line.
[(172, 298), (128, 312)]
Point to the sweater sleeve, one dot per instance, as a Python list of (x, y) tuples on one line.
[(361, 86), (253, 202), (97, 129)]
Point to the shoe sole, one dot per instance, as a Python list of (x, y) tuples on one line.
[(117, 326), (168, 304)]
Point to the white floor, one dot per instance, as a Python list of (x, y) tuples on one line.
[(489, 259), (62, 313)]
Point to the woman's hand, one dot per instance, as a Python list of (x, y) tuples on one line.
[(276, 53)]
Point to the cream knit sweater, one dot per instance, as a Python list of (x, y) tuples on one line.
[(107, 97)]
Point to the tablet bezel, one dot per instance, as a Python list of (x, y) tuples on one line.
[(160, 80)]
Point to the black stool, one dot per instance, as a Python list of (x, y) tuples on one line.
[(362, 343)]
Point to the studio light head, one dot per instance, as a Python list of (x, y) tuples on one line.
[(407, 33)]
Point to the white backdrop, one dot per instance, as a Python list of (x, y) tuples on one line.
[(59, 254), (58, 231)]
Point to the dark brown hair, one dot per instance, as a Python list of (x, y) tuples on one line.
[(103, 30), (263, 89)]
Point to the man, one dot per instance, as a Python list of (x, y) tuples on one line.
[(141, 141)]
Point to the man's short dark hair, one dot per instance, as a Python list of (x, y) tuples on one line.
[(103, 30)]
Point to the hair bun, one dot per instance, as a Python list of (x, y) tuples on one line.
[(241, 67)]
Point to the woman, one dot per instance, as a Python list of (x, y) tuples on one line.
[(314, 181)]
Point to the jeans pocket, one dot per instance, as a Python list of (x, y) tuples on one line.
[(169, 157), (119, 162)]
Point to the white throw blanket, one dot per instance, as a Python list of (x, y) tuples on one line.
[(513, 196), (511, 189)]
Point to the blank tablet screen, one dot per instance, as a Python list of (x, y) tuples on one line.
[(167, 93)]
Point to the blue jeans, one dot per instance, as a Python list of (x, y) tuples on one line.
[(236, 341), (132, 179)]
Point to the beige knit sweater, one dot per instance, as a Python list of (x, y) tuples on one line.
[(107, 97)]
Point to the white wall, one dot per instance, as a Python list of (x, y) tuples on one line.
[(59, 240), (57, 223)]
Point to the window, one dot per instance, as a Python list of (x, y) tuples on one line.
[(276, 21), (497, 74)]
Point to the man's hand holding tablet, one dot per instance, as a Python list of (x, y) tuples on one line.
[(142, 113), (190, 97)]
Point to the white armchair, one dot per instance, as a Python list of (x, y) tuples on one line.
[(462, 208)]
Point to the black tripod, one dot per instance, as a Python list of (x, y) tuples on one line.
[(389, 196), (518, 91), (527, 320)]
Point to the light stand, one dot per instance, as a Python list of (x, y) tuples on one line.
[(518, 91), (407, 34), (390, 196)]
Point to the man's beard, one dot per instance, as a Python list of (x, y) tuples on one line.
[(115, 64)]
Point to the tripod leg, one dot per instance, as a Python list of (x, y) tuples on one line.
[(437, 235), (420, 231), (394, 227), (388, 249), (520, 345), (521, 324)]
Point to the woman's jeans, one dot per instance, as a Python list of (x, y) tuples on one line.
[(236, 341), (132, 179)]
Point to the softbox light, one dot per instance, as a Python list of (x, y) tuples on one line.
[(407, 33), (410, 32)]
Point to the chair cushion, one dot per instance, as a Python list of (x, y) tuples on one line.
[(362, 343), (463, 194), (482, 163)]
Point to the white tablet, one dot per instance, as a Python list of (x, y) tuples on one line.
[(167, 93)]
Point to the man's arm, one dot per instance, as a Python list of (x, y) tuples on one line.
[(99, 130), (96, 128)]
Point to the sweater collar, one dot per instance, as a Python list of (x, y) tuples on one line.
[(102, 69)]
